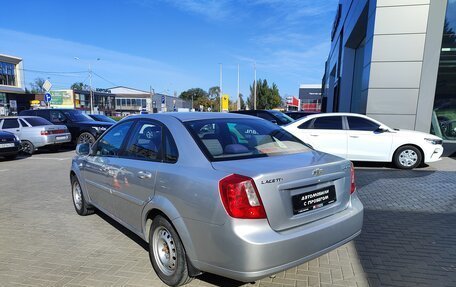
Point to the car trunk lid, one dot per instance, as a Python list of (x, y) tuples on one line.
[(285, 182)]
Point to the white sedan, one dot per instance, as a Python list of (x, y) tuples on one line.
[(360, 138)]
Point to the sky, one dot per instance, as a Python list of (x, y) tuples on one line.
[(170, 45)]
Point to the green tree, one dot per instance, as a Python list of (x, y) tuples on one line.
[(199, 96), (80, 86), (241, 99), (36, 87), (267, 97)]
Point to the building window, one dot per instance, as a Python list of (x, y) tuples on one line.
[(444, 115), (7, 74)]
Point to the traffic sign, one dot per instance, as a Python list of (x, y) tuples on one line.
[(47, 85), (163, 99), (47, 97)]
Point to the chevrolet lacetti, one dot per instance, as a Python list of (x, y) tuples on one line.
[(228, 194)]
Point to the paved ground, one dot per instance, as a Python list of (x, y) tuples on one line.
[(409, 235)]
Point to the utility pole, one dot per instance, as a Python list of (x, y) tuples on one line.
[(221, 90), (90, 88), (151, 107), (254, 88), (238, 94)]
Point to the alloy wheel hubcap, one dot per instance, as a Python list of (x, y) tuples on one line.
[(164, 250), (408, 157), (85, 139), (77, 196), (26, 147)]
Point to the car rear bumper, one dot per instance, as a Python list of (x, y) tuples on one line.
[(55, 139), (247, 250)]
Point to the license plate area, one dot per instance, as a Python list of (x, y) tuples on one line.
[(61, 138), (7, 145), (313, 199)]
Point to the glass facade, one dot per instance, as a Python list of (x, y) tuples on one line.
[(7, 74), (444, 115)]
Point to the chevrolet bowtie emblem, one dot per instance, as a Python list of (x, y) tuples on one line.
[(317, 172)]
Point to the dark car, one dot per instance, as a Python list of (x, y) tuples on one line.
[(102, 118), (297, 115), (10, 145), (273, 116), (83, 128)]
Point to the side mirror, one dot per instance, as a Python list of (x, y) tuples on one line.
[(83, 149), (381, 129)]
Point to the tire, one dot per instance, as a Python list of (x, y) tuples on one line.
[(80, 204), (27, 147), (407, 157), (86, 137), (167, 253)]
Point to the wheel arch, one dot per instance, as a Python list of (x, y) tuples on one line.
[(408, 144)]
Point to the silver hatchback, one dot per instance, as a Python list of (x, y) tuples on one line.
[(228, 194)]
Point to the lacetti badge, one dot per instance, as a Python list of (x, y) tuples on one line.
[(317, 172), (279, 179)]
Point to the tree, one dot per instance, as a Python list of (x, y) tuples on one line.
[(36, 87), (214, 92), (198, 96), (266, 97), (80, 86), (241, 99)]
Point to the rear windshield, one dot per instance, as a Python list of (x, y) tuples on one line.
[(35, 122), (228, 139), (77, 116), (282, 117)]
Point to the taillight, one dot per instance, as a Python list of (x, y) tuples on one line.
[(240, 197), (52, 132), (352, 179)]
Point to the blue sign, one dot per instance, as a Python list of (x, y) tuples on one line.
[(163, 100), (47, 97)]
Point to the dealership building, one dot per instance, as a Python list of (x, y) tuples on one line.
[(395, 61)]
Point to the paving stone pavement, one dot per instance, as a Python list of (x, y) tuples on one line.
[(408, 239)]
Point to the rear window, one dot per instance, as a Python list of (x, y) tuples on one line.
[(35, 122), (229, 139)]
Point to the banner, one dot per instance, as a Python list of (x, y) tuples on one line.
[(62, 99)]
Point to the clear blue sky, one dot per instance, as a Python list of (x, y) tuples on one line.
[(172, 45)]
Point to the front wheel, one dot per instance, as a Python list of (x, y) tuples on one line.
[(167, 254), (80, 204), (86, 137), (407, 157)]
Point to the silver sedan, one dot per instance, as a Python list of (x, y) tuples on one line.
[(35, 132), (228, 194)]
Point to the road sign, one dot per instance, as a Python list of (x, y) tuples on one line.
[(163, 99), (47, 97), (47, 86)]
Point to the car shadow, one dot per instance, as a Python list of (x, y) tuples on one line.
[(389, 165), (206, 277)]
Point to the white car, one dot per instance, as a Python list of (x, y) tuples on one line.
[(360, 138)]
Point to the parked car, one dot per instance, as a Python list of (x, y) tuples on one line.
[(360, 138), (102, 118), (295, 115), (35, 132), (273, 116), (222, 193), (10, 145), (82, 127)]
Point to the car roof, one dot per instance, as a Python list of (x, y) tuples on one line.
[(192, 116)]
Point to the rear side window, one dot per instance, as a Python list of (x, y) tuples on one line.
[(10, 124), (145, 142), (328, 123), (36, 122), (170, 153), (361, 124), (23, 123), (111, 142), (305, 125)]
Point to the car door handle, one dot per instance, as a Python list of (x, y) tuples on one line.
[(144, 174), (355, 137), (314, 135)]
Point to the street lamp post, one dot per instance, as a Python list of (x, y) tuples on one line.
[(90, 83)]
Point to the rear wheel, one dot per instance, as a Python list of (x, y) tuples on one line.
[(79, 202), (86, 137), (407, 157), (167, 254), (27, 147)]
